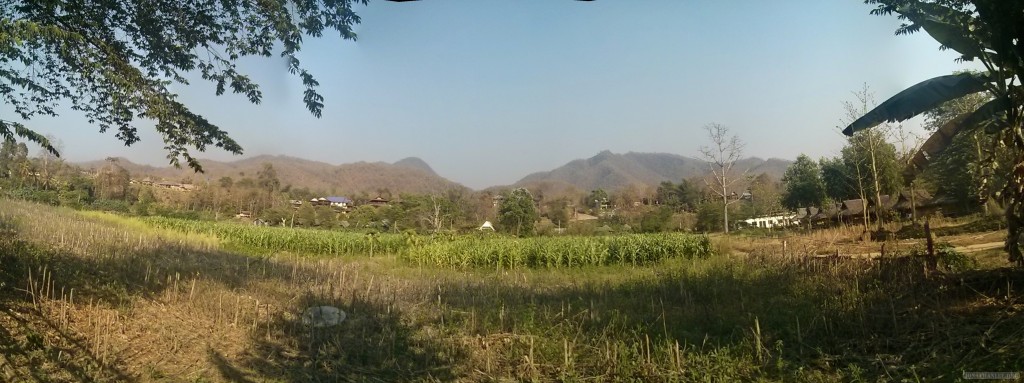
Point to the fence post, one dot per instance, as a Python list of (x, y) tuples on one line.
[(932, 261)]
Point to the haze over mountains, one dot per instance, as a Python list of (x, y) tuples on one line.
[(606, 170)]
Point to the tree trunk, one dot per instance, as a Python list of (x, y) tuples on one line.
[(878, 191), (913, 204), (725, 211), (977, 146), (863, 198)]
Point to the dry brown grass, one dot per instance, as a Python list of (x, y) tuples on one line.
[(86, 298), (850, 240)]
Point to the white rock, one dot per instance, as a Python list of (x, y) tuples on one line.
[(322, 316)]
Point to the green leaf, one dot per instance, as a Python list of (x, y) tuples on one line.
[(918, 99), (8, 130), (945, 25)]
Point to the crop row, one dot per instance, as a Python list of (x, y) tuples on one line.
[(553, 252), (458, 251)]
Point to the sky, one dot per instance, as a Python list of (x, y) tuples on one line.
[(489, 91)]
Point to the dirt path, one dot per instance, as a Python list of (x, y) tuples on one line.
[(963, 249), (980, 247)]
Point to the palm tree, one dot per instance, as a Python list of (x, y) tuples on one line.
[(992, 32)]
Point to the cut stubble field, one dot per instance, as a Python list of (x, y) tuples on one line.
[(97, 297)]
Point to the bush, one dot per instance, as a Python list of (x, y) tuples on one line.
[(953, 260), (948, 258), (709, 217), (656, 220), (111, 205), (48, 197)]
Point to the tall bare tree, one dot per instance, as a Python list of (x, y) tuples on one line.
[(723, 153), (871, 156)]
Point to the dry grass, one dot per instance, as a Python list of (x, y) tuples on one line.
[(99, 298), (850, 239)]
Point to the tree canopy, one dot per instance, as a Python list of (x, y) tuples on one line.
[(116, 61), (517, 213), (682, 196), (991, 32), (804, 186), (870, 146)]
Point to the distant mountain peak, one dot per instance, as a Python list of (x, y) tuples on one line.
[(601, 156), (415, 163), (610, 171)]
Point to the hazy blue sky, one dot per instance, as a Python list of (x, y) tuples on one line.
[(489, 91)]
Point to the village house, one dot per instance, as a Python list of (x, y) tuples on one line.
[(773, 220), (377, 202), (176, 186), (830, 212), (906, 204), (852, 209), (340, 202), (581, 217)]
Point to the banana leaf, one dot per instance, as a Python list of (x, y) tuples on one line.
[(991, 114), (918, 99), (945, 25)]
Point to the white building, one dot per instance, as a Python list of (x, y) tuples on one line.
[(773, 221)]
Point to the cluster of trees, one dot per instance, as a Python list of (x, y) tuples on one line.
[(873, 163), (978, 30), (46, 178), (867, 168)]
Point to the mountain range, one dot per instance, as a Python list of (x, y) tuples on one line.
[(606, 170), (409, 175), (610, 171)]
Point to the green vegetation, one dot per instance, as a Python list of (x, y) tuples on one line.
[(980, 104), (554, 252), (517, 213), (486, 251), (804, 185), (297, 241)]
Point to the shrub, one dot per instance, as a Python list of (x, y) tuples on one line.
[(953, 260)]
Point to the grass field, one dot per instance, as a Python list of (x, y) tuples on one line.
[(95, 297)]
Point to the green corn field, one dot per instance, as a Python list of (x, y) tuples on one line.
[(464, 251), (297, 241), (558, 252)]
